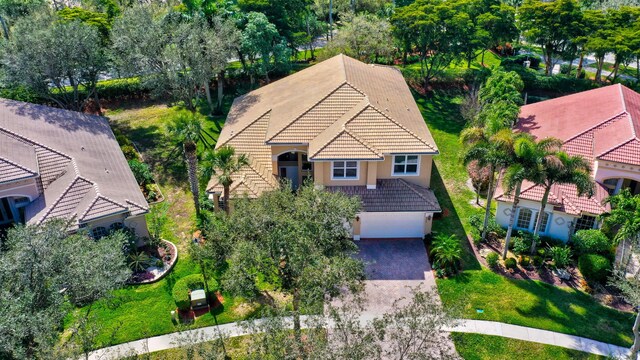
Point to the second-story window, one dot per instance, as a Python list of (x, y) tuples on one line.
[(405, 165), (345, 170)]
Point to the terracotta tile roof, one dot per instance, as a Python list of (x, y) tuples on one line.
[(78, 160), (597, 124), (341, 108), (392, 195)]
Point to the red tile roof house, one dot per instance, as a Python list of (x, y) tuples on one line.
[(602, 125), (63, 164)]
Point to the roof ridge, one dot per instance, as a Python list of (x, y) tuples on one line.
[(595, 126), (245, 128), (136, 204), (95, 200), (33, 142), (18, 165), (362, 141), (64, 192), (616, 147), (406, 183), (401, 126), (345, 82)]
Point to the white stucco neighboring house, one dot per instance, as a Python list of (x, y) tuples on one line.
[(603, 126), (63, 164)]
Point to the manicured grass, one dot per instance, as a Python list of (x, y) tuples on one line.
[(490, 60), (485, 347), (521, 302)]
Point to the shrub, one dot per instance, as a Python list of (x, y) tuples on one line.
[(561, 255), (477, 220), (492, 260), (510, 263), (520, 59), (524, 261), (141, 172), (594, 268), (538, 261), (447, 252), (130, 152), (522, 243), (183, 287), (591, 242)]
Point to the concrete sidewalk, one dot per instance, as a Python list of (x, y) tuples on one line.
[(170, 341)]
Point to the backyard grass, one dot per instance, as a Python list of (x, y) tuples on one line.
[(520, 302), (485, 347)]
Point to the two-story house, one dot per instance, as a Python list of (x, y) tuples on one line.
[(63, 164), (346, 126), (603, 126)]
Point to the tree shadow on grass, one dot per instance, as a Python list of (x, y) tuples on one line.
[(441, 111), (449, 221)]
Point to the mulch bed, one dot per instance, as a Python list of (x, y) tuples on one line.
[(605, 295), (168, 256)]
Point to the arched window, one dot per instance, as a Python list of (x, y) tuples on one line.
[(99, 232), (524, 218)]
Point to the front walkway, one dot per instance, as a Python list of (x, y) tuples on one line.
[(170, 341)]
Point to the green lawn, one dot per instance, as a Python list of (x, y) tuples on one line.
[(490, 60), (527, 303), (485, 347)]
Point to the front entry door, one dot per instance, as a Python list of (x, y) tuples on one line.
[(291, 173)]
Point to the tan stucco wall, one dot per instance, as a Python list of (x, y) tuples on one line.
[(137, 223), (279, 149), (423, 179), (28, 188)]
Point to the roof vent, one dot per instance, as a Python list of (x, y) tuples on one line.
[(106, 170), (82, 148)]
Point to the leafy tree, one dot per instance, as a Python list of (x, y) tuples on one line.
[(187, 130), (365, 37), (283, 14), (561, 168), (630, 288), (625, 217), (263, 46), (42, 270), (551, 25), (527, 164), (624, 21), (435, 29), (59, 61), (175, 56), (223, 164), (100, 21), (12, 10), (298, 242)]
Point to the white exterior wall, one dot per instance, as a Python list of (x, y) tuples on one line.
[(558, 224), (27, 187), (394, 224), (604, 170)]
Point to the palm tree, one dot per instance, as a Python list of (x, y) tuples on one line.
[(624, 215), (562, 168), (528, 159), (187, 130), (490, 150), (222, 164)]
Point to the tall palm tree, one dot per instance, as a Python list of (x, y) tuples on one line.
[(490, 149), (222, 164), (528, 159), (563, 168), (187, 130), (624, 215)]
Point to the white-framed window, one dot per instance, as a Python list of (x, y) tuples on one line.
[(345, 170), (98, 232), (545, 222), (406, 165), (585, 222), (524, 218)]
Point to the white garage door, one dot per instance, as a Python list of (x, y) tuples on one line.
[(392, 225)]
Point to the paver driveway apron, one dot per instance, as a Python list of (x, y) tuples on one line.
[(394, 266)]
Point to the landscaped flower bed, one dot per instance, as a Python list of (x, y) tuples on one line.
[(155, 262)]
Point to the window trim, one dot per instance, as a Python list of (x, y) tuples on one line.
[(528, 228), (333, 164), (533, 220), (393, 165)]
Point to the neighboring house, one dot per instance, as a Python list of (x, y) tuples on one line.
[(346, 126), (63, 164), (603, 126)]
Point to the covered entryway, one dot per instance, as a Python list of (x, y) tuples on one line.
[(295, 167), (12, 209), (380, 225)]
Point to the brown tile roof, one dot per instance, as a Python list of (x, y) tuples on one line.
[(78, 160), (392, 195), (17, 160), (341, 108)]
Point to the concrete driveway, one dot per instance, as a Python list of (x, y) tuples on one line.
[(394, 267)]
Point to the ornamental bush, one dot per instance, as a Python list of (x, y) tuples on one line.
[(447, 252), (591, 242), (183, 287), (510, 263), (594, 268), (561, 256), (492, 260), (141, 172)]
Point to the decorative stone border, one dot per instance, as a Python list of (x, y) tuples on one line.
[(165, 270)]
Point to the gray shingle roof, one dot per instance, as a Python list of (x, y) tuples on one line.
[(83, 170), (392, 195)]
